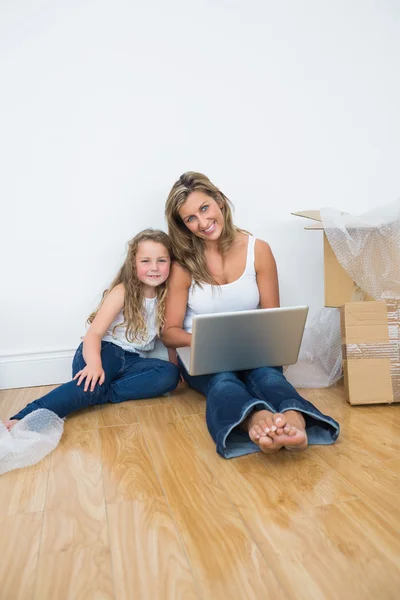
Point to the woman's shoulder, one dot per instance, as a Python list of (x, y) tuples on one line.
[(262, 246), (262, 254), (243, 238), (179, 275)]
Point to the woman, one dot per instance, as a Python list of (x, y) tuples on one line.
[(219, 268)]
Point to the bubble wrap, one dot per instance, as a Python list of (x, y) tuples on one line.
[(320, 358), (30, 440), (368, 247)]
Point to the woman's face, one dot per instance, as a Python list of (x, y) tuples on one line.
[(202, 216)]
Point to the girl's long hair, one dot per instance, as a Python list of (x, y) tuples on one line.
[(134, 310), (188, 248)]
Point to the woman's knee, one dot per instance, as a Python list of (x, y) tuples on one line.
[(223, 380), (266, 375)]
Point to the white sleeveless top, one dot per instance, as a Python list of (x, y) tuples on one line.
[(242, 294), (140, 346)]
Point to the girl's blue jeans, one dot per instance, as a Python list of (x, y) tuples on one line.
[(128, 376), (232, 396)]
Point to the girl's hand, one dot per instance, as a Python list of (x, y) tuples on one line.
[(92, 375), (10, 424)]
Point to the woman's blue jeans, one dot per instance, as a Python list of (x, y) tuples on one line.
[(128, 376), (232, 396)]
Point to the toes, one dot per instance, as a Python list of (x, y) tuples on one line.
[(278, 423), (279, 420), (265, 425), (255, 433), (258, 436), (271, 426), (265, 442)]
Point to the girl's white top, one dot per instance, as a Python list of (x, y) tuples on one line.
[(141, 346), (242, 294)]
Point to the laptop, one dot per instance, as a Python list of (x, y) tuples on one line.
[(235, 341)]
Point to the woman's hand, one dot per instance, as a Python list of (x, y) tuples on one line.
[(93, 374)]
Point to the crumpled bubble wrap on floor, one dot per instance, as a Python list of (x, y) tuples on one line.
[(30, 440), (320, 359)]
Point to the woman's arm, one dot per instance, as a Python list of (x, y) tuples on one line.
[(174, 336), (267, 275), (172, 356), (93, 372)]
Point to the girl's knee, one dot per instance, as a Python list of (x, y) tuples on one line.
[(170, 376), (166, 377)]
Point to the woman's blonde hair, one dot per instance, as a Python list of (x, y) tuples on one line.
[(134, 311), (188, 248)]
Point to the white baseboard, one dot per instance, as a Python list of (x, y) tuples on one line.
[(35, 368), (31, 369)]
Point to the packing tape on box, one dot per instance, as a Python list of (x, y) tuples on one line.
[(373, 350)]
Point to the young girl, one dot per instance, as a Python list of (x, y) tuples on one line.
[(111, 365)]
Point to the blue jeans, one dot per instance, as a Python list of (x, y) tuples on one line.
[(232, 396), (128, 376)]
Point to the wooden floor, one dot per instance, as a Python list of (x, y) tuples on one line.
[(136, 504)]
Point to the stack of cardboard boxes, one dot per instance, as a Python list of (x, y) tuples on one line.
[(370, 332)]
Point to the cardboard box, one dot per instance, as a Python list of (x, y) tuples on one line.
[(339, 286), (370, 334)]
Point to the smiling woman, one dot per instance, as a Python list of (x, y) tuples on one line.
[(221, 268), (202, 215)]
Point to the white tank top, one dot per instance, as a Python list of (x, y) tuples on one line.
[(140, 346), (242, 294)]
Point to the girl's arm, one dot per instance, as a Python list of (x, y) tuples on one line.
[(174, 336), (93, 372), (267, 275)]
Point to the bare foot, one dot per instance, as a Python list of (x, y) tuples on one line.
[(10, 424), (294, 438), (265, 429)]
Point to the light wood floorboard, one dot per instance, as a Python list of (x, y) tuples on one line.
[(135, 503)]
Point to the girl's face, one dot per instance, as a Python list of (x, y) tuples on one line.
[(152, 264), (202, 216)]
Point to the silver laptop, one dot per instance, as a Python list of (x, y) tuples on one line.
[(248, 339)]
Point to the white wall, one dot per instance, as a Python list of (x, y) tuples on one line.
[(285, 105)]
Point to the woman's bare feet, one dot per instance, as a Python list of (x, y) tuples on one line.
[(296, 438), (10, 424), (264, 428), (274, 431)]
